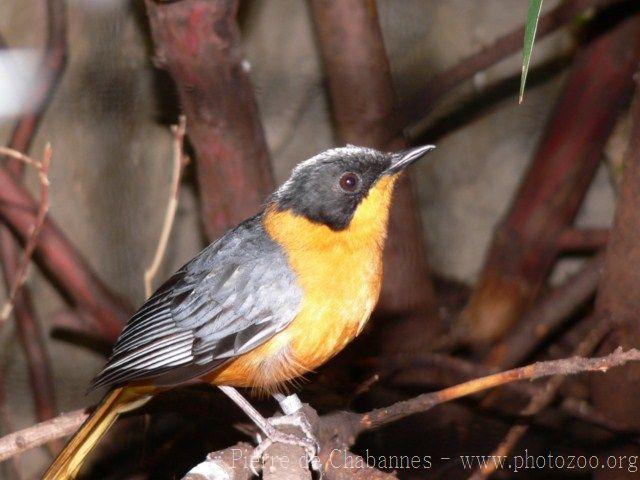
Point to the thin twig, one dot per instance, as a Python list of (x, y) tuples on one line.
[(43, 169), (363, 387), (444, 369), (179, 161), (7, 425), (568, 366)]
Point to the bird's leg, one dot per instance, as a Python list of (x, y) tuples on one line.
[(271, 433), (257, 418), (288, 403)]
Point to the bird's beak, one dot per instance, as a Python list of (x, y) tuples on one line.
[(405, 158)]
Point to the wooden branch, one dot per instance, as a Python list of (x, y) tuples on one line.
[(44, 432), (363, 103), (342, 464), (287, 462), (549, 314), (355, 63), (198, 43), (232, 463), (525, 245), (21, 275), (179, 161), (340, 429)]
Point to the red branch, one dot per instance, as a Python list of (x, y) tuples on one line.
[(618, 297), (363, 102), (57, 256), (29, 329), (54, 253), (198, 43), (49, 74), (576, 240), (525, 245)]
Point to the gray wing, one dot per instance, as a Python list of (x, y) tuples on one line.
[(235, 295)]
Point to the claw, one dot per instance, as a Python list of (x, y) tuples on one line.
[(256, 456), (299, 420), (291, 405), (309, 443)]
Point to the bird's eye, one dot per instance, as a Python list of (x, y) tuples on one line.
[(350, 182)]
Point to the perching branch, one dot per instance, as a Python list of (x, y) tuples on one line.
[(232, 463), (344, 427), (179, 161)]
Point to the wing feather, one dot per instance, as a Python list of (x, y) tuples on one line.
[(232, 297)]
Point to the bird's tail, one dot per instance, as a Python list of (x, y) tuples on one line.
[(68, 463)]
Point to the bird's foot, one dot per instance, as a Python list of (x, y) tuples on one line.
[(273, 435), (298, 419)]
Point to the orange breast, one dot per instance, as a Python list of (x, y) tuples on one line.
[(340, 273)]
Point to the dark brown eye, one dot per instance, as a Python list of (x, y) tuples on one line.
[(350, 182)]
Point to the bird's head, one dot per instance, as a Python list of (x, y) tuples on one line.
[(344, 185)]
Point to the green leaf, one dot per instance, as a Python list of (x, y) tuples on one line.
[(530, 27)]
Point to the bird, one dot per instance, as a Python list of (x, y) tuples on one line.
[(269, 301)]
